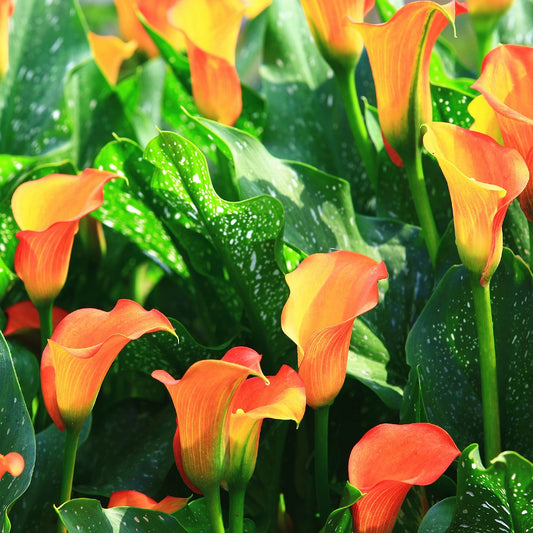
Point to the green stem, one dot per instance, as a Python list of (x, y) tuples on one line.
[(346, 80), (45, 318), (72, 436), (484, 46), (489, 373), (212, 497), (417, 185), (236, 508), (321, 461)]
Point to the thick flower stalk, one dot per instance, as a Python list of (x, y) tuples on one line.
[(12, 463), (403, 94), (327, 293), (133, 498), (387, 462), (481, 189), (211, 29)]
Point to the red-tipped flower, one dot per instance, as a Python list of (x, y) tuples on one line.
[(328, 292), (132, 498), (80, 352), (387, 462)]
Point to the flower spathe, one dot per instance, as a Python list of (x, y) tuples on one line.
[(505, 82), (13, 463), (387, 461), (403, 94), (281, 398), (80, 352), (109, 53), (327, 293), (6, 11), (337, 42), (481, 189), (48, 211), (133, 498), (24, 315), (485, 14), (202, 399)]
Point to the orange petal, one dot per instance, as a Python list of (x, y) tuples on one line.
[(13, 463), (481, 189), (216, 87), (387, 461), (48, 211), (328, 291), (109, 53), (133, 498), (505, 82), (80, 352), (399, 53), (202, 401), (337, 41), (281, 398), (6, 10), (24, 315)]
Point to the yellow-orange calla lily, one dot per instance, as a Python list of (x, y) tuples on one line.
[(48, 211), (327, 293), (505, 82), (6, 11), (281, 398), (481, 189), (387, 461), (156, 14), (487, 7), (485, 119), (399, 52), (133, 498), (81, 351), (211, 29), (328, 20), (13, 463), (202, 399), (110, 52)]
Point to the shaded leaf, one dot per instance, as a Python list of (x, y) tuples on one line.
[(340, 520)]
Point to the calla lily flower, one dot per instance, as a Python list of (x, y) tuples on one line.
[(12, 463), (327, 293), (81, 351), (6, 11), (387, 462), (282, 398), (132, 498), (110, 52), (403, 94), (23, 316), (156, 14), (328, 20), (505, 82), (211, 29), (48, 211), (202, 399), (485, 119), (481, 189), (485, 14)]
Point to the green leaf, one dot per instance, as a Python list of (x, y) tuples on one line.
[(33, 114), (87, 515), (516, 231), (516, 26), (439, 517), (28, 371), (442, 348), (194, 517), (496, 498), (16, 433), (340, 520)]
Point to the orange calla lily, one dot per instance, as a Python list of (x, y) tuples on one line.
[(481, 189), (282, 398), (211, 46), (6, 11), (403, 93), (485, 120), (505, 82), (387, 462), (327, 293), (156, 14), (328, 20), (202, 399), (48, 211), (132, 498), (80, 352), (109, 53), (24, 315), (13, 463)]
